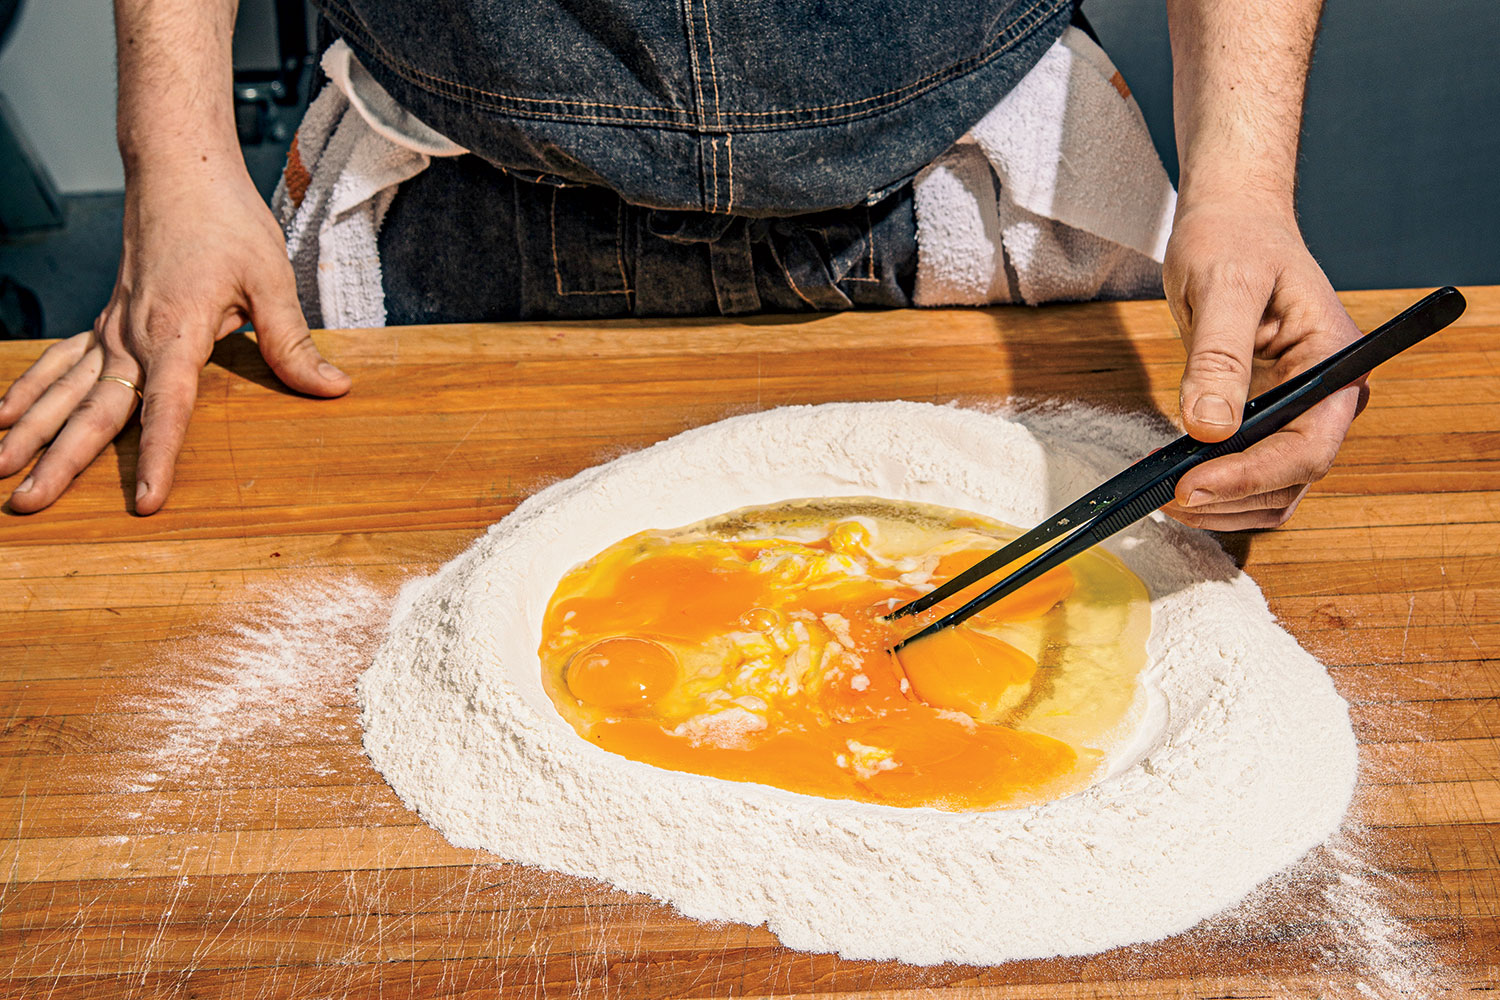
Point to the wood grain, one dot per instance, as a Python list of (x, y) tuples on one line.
[(278, 864)]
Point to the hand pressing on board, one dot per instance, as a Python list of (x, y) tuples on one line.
[(1253, 306), (202, 256)]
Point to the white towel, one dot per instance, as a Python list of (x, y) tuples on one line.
[(1056, 194), (353, 149)]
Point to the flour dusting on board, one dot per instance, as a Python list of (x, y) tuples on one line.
[(264, 675), (1244, 762), (1340, 910)]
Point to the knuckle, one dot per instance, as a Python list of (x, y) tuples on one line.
[(1230, 276), (1310, 465), (1284, 513), (1285, 498), (162, 324), (1215, 362), (1236, 485), (168, 325), (1189, 518), (285, 350), (159, 408), (92, 415)]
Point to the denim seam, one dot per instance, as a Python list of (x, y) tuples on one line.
[(680, 119), (713, 77), (619, 258), (690, 25), (729, 152), (713, 145), (869, 261), (620, 247), (713, 69), (787, 274), (870, 273)]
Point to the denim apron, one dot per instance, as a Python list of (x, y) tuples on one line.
[(654, 158)]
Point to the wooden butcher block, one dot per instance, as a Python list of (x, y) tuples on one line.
[(185, 811)]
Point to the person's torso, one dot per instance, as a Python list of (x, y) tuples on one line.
[(765, 108)]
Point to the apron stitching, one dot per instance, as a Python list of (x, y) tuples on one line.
[(1010, 35), (704, 165), (788, 274), (729, 150), (620, 245), (713, 76), (713, 70)]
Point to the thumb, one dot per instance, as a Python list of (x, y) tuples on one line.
[(288, 347), (1221, 346)]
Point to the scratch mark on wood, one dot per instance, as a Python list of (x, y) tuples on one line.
[(451, 451)]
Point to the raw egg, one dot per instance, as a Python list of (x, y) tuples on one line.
[(755, 647), (621, 672), (966, 671)]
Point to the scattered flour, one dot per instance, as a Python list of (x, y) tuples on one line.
[(298, 652), (1244, 759), (1342, 912)]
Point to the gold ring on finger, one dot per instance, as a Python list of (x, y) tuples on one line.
[(126, 383)]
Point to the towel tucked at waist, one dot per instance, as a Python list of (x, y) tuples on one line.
[(352, 151), (1056, 194)]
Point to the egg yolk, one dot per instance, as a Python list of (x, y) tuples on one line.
[(761, 652), (964, 670)]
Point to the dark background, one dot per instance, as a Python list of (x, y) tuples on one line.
[(1400, 171)]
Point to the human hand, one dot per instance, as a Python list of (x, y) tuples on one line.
[(202, 256), (1254, 309)]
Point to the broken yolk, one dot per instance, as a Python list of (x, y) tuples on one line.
[(767, 659)]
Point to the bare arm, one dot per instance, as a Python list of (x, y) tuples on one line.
[(176, 85), (1253, 306), (1239, 73), (202, 255)]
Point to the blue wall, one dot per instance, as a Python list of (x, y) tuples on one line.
[(1400, 179)]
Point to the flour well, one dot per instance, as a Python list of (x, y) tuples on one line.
[(1244, 759)]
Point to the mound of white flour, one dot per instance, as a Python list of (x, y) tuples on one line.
[(1245, 759)]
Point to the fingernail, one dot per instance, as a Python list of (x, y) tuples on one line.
[(1214, 410), (26, 485), (141, 489), (1199, 497), (328, 371)]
